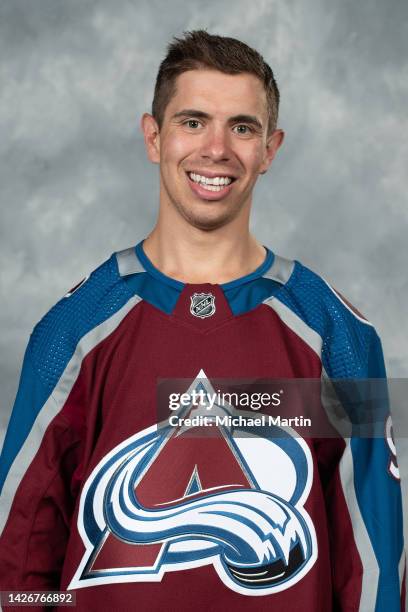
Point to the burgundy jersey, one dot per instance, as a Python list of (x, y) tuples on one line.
[(100, 498)]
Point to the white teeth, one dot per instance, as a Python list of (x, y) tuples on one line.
[(210, 182), (212, 187)]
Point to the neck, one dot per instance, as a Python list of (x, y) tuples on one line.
[(197, 256)]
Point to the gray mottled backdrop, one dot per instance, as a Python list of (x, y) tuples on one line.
[(75, 77)]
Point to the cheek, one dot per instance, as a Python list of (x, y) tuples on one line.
[(174, 149), (254, 159)]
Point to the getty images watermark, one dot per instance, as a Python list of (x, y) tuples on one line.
[(209, 409), (313, 408)]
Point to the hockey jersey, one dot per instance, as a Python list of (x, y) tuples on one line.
[(99, 499)]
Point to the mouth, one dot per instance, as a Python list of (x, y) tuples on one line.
[(210, 188)]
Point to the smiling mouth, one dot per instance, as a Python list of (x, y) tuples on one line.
[(213, 184)]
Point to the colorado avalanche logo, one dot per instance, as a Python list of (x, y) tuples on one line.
[(166, 501)]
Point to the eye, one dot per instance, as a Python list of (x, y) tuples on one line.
[(243, 129), (192, 123)]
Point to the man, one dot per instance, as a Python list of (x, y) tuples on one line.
[(97, 498)]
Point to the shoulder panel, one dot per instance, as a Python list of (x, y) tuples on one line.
[(54, 338), (346, 336), (128, 263), (281, 270)]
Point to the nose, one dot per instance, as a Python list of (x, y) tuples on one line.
[(216, 144)]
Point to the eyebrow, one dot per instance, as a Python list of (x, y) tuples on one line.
[(192, 112)]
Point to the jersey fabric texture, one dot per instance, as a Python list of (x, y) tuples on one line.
[(97, 498)]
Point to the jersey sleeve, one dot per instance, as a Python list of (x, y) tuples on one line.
[(43, 453), (37, 462), (366, 478), (358, 470)]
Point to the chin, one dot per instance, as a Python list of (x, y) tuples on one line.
[(207, 222), (209, 218)]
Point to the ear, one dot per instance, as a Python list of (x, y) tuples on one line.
[(151, 135), (273, 143)]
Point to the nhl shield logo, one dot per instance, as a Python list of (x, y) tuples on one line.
[(202, 305)]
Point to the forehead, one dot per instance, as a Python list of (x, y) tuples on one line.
[(219, 94)]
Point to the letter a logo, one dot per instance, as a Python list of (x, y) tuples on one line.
[(164, 500)]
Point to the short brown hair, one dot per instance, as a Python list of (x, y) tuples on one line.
[(198, 49)]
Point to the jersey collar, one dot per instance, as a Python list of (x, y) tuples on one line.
[(153, 271)]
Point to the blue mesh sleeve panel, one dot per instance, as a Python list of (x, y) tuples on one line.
[(55, 337), (345, 338)]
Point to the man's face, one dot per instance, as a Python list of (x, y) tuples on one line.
[(213, 145)]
